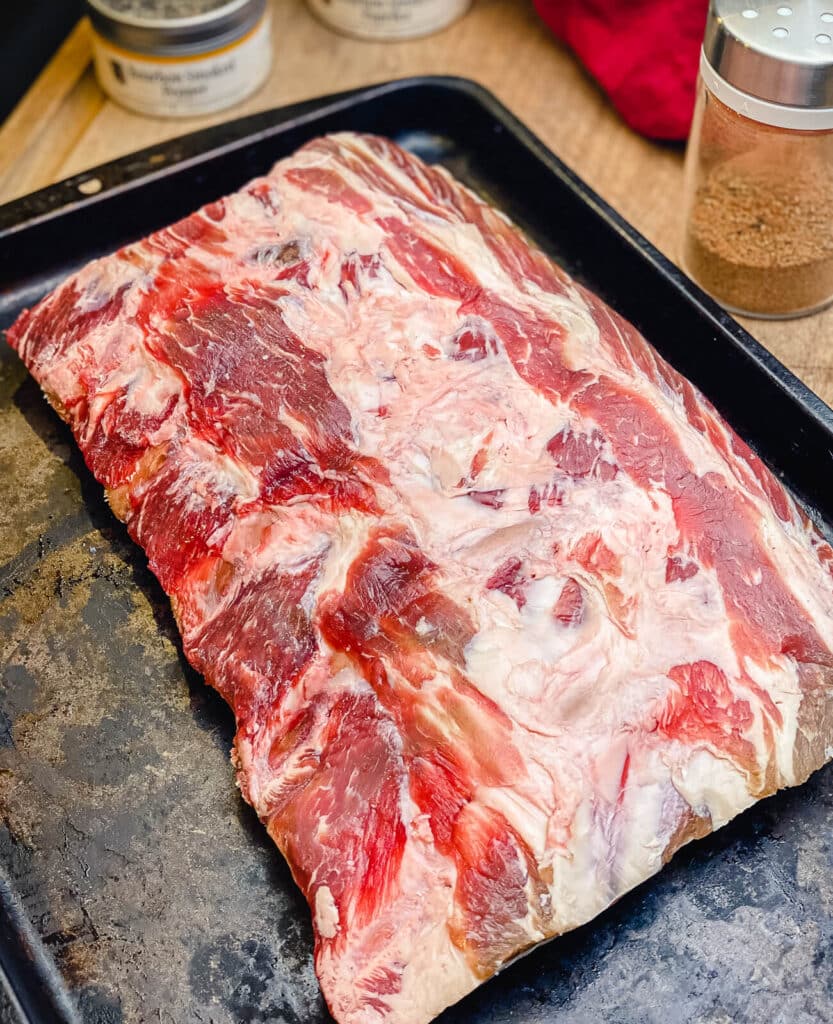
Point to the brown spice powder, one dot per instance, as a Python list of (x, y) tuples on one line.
[(760, 235)]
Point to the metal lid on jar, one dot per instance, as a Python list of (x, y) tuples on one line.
[(774, 57), (179, 27)]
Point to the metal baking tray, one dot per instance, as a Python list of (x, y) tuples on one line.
[(139, 887)]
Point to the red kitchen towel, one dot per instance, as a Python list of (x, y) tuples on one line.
[(643, 53)]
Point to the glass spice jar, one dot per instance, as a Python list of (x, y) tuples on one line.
[(759, 167)]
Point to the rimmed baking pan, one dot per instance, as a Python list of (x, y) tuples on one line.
[(140, 888)]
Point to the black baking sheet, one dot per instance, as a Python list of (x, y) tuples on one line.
[(154, 890)]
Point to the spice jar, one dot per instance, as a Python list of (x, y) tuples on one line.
[(388, 19), (759, 168), (180, 58)]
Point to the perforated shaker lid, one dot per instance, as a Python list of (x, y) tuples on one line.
[(772, 60)]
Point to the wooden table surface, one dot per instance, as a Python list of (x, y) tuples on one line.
[(65, 124)]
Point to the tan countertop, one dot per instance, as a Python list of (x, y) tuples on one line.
[(65, 124)]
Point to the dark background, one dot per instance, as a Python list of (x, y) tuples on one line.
[(30, 32)]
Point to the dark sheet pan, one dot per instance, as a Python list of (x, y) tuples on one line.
[(153, 889)]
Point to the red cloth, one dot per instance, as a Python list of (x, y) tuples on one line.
[(643, 53)]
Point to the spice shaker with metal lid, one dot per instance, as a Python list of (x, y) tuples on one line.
[(180, 58), (759, 168)]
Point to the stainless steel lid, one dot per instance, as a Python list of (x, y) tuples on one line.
[(781, 51), (174, 27)]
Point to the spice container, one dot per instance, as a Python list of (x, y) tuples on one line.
[(759, 168), (388, 19), (180, 58)]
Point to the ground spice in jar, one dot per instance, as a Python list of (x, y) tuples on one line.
[(163, 9), (760, 235), (759, 164)]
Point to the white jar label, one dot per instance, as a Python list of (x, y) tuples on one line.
[(389, 18), (185, 86)]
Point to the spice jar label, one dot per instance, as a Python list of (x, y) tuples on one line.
[(184, 86), (388, 19)]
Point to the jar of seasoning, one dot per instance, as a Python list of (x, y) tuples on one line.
[(388, 19), (180, 58), (759, 168)]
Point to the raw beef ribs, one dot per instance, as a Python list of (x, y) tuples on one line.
[(505, 611)]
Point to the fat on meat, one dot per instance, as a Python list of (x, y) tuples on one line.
[(506, 612)]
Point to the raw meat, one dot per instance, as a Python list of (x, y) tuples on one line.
[(505, 611)]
